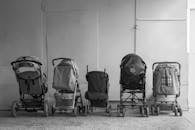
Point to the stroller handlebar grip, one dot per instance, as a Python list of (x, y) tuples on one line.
[(175, 63), (14, 62), (57, 59)]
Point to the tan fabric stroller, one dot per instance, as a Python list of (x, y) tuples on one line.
[(166, 87), (65, 82)]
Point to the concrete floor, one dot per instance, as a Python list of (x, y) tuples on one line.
[(98, 120)]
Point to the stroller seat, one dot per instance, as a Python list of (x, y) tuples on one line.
[(97, 85)]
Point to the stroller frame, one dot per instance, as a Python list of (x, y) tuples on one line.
[(174, 105), (90, 107), (30, 105), (133, 100), (77, 104)]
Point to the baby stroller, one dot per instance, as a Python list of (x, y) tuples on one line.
[(32, 86), (65, 82), (166, 83), (132, 85), (98, 88)]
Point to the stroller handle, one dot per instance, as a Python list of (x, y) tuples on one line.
[(174, 63), (14, 62), (57, 59)]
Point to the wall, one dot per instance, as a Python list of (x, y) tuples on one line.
[(191, 50), (97, 33), (20, 34)]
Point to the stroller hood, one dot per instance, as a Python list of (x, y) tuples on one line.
[(65, 75), (133, 69), (133, 63)]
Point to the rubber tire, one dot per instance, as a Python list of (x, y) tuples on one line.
[(121, 112), (176, 111), (46, 109), (13, 108), (53, 110), (180, 111), (152, 110), (146, 111), (76, 110), (157, 110), (142, 110)]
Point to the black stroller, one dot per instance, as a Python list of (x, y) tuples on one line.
[(32, 86), (166, 83), (132, 85), (65, 82), (98, 87)]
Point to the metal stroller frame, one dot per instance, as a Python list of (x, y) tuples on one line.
[(175, 107), (90, 107), (30, 105), (77, 105), (133, 100)]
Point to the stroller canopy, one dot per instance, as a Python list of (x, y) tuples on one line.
[(65, 75), (134, 63), (97, 85), (132, 68), (29, 76)]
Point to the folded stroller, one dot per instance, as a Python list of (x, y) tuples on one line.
[(65, 82), (166, 87), (132, 85), (32, 85), (98, 87)]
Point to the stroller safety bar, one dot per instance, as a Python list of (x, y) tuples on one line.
[(14, 62), (173, 63), (88, 69), (57, 59)]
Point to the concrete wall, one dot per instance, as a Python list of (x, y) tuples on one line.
[(191, 50), (97, 33)]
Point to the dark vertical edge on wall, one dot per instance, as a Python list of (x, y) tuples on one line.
[(135, 27)]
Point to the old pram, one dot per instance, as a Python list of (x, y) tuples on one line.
[(132, 85), (166, 87), (32, 85), (65, 82), (97, 93)]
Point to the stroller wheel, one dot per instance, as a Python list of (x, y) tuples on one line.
[(53, 110), (121, 111), (141, 109), (180, 111), (146, 111), (176, 111), (76, 110), (14, 108), (109, 110), (46, 109), (157, 110), (152, 110)]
